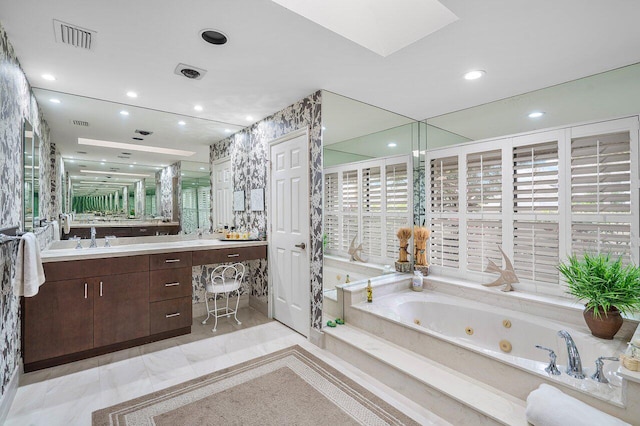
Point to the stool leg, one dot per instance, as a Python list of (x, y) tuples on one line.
[(235, 313), (215, 310), (206, 302)]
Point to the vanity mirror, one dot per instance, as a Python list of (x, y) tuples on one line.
[(196, 197), (570, 155), (373, 160), (31, 169)]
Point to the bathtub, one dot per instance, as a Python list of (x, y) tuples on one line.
[(336, 269), (492, 344)]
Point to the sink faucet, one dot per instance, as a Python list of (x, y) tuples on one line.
[(574, 364), (93, 238)]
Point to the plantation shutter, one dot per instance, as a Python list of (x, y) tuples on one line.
[(397, 204), (350, 208), (535, 250), (372, 211), (331, 211), (535, 178), (444, 203), (601, 194), (535, 206), (484, 182), (483, 239)]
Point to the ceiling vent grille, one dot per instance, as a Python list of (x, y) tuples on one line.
[(73, 35), (80, 123), (190, 72)]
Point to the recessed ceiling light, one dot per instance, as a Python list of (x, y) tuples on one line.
[(135, 162), (132, 94), (54, 101), (181, 174), (48, 77), (474, 75), (392, 144), (130, 165), (324, 128), (123, 112), (182, 123), (127, 146), (72, 161), (227, 130), (201, 168), (101, 163), (198, 107), (536, 114), (213, 37), (249, 118)]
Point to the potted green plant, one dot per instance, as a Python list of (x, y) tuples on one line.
[(607, 286)]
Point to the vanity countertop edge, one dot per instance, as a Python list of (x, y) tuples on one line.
[(62, 255)]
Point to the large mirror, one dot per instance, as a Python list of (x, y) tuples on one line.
[(106, 182), (31, 185), (372, 162), (586, 105), (196, 197)]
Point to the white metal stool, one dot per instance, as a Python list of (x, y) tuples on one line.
[(225, 279)]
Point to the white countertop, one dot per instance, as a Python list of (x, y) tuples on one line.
[(138, 246), (123, 223)]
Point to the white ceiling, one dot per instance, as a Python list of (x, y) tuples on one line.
[(275, 57)]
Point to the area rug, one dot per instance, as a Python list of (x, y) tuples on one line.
[(288, 387)]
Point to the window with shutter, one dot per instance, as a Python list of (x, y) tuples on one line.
[(443, 201), (484, 182), (370, 199), (601, 194), (372, 211), (331, 211), (535, 207), (483, 239)]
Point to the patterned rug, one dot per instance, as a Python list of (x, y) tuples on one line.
[(288, 387)]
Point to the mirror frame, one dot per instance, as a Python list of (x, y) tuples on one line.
[(26, 164)]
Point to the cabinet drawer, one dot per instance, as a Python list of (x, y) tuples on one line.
[(170, 260), (239, 254), (169, 284), (170, 314)]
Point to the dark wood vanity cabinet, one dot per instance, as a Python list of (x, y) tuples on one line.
[(170, 306), (120, 308), (58, 320)]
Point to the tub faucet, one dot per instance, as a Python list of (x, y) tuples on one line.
[(574, 364), (93, 238)]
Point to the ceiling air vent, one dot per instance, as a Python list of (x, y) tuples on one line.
[(144, 132), (73, 35), (80, 123), (189, 71)]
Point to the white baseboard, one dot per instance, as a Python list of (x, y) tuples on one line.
[(7, 399)]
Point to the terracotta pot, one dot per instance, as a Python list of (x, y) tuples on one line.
[(606, 326)]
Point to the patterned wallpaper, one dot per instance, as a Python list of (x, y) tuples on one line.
[(16, 103), (165, 178), (248, 150)]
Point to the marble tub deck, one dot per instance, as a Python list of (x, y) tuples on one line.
[(68, 394)]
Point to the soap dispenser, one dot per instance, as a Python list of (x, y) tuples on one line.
[(369, 292), (416, 281)]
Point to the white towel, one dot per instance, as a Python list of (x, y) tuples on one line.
[(548, 406), (66, 223), (29, 274), (56, 230)]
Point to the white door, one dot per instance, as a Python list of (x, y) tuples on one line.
[(223, 193), (289, 237)]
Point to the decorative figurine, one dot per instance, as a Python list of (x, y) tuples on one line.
[(507, 275)]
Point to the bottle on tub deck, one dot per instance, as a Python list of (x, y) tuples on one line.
[(347, 280), (416, 281), (369, 292)]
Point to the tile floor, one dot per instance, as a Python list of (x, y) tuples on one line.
[(68, 394)]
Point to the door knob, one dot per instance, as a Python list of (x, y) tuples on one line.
[(301, 245)]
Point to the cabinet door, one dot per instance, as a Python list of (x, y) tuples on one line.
[(121, 308), (58, 320)]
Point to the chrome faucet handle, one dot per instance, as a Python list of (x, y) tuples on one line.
[(552, 368), (77, 240), (107, 238), (599, 374)]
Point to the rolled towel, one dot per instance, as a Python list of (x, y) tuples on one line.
[(66, 223), (56, 230), (548, 406), (29, 274)]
